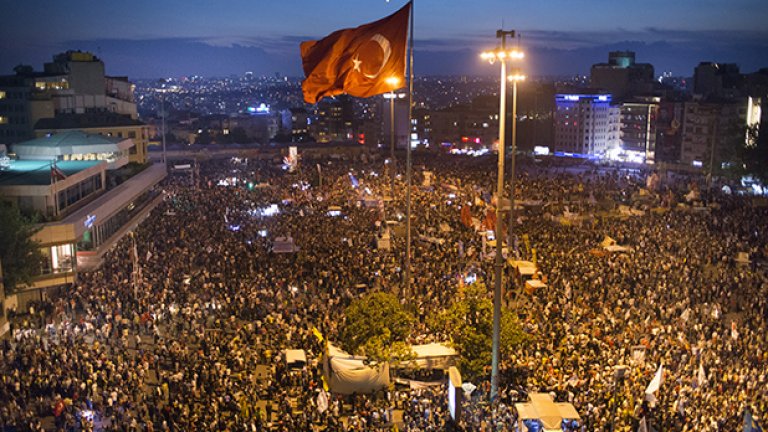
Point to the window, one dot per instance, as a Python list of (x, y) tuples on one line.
[(2, 94), (3, 120)]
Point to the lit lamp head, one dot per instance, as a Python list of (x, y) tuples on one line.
[(393, 82), (516, 77), (498, 54)]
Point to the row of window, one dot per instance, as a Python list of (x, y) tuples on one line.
[(75, 193)]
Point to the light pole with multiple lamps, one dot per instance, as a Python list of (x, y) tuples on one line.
[(514, 78), (393, 82), (501, 55)]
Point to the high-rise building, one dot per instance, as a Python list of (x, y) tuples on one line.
[(669, 131), (73, 85), (400, 119), (638, 128), (712, 131), (719, 80), (467, 125), (586, 123), (621, 76), (333, 120)]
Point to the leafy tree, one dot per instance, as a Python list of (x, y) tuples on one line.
[(19, 253), (469, 323), (753, 156), (376, 326)]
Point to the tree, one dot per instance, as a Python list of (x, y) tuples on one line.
[(469, 323), (376, 326), (754, 154), (19, 253)]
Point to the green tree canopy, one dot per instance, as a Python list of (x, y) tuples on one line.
[(468, 321), (20, 255), (376, 326)]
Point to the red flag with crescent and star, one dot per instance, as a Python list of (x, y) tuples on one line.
[(357, 61)]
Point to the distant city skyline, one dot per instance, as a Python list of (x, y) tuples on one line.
[(144, 39)]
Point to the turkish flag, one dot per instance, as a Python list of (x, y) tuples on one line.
[(356, 61)]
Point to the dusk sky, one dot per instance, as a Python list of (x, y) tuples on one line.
[(149, 39)]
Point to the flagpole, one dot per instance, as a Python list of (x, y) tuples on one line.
[(408, 164)]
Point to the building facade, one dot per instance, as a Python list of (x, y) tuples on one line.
[(74, 83), (586, 123), (638, 129), (712, 131), (622, 76)]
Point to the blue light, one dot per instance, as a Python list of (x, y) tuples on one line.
[(89, 221)]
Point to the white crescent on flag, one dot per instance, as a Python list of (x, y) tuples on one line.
[(386, 48)]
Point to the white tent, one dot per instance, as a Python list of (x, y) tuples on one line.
[(347, 374), (284, 245), (544, 409), (525, 268), (295, 357), (431, 356)]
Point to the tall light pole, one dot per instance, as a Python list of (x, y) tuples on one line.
[(501, 55), (514, 78), (393, 83)]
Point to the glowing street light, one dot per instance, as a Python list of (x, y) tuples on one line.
[(501, 55), (394, 83)]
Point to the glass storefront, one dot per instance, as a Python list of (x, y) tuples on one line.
[(57, 259)]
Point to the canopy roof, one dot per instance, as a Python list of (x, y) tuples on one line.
[(52, 146), (543, 408)]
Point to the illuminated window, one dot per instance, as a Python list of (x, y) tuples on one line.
[(2, 95), (3, 120)]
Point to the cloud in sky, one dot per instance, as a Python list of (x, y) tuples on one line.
[(548, 52)]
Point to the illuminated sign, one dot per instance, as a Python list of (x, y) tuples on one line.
[(89, 221)]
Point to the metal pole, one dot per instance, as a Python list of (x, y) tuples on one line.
[(499, 241), (162, 109), (408, 169), (392, 140), (511, 223)]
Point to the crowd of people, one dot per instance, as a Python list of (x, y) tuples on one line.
[(195, 342)]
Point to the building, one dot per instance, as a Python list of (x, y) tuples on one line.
[(295, 122), (712, 131), (586, 123), (638, 129), (719, 80), (400, 119), (333, 120), (110, 125), (86, 205), (669, 131), (73, 84), (622, 76), (467, 125)]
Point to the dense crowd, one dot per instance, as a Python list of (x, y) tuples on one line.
[(182, 347)]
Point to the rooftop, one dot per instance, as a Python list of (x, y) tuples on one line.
[(38, 173), (87, 120), (70, 138)]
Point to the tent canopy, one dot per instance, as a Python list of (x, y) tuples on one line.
[(295, 357), (525, 268), (347, 374), (431, 356), (543, 408)]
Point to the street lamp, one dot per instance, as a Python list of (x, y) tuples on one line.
[(501, 55), (393, 83), (514, 79)]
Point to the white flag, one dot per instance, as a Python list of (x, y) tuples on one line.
[(322, 401), (643, 426), (656, 382), (701, 377)]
